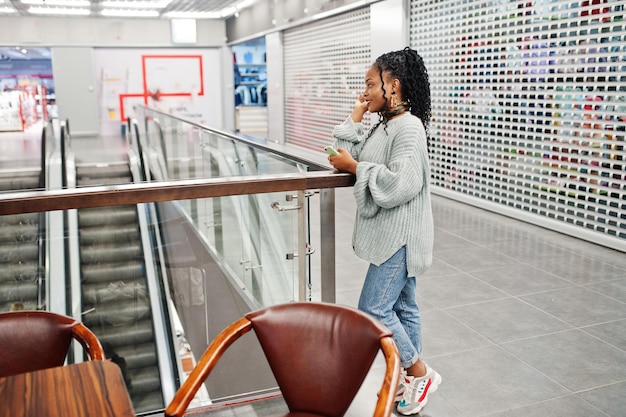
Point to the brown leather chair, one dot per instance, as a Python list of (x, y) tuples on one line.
[(320, 354), (34, 340)]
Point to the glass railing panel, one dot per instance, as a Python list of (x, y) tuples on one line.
[(176, 144), (209, 290), (254, 243), (22, 282), (192, 151)]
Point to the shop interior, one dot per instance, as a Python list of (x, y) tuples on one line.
[(249, 59), (26, 88)]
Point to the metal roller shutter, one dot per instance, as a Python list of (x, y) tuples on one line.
[(529, 108), (324, 62)]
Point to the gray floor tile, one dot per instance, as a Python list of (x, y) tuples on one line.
[(614, 289), (613, 333), (569, 406), (581, 270), (573, 359), (611, 399), (444, 335), (439, 268), (489, 380), (475, 258), (507, 319), (348, 297), (456, 290), (578, 306), (438, 406), (593, 251), (493, 233), (521, 279), (424, 304), (447, 240), (529, 250)]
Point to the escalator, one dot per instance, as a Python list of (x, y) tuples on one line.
[(115, 296), (20, 247)]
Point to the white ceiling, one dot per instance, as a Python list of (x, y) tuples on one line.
[(198, 9)]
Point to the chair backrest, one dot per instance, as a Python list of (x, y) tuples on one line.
[(34, 340), (319, 353)]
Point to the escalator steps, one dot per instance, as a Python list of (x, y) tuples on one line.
[(116, 302)]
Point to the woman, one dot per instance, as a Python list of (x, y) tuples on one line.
[(393, 229)]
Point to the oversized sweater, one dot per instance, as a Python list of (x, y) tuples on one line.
[(392, 191)]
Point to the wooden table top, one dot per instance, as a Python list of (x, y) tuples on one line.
[(87, 389)]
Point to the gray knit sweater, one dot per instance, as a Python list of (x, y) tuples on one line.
[(392, 191)]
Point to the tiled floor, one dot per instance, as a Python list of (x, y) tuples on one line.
[(20, 149)]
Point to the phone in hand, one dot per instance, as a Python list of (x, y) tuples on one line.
[(331, 151)]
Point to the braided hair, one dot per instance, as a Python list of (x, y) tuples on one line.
[(408, 67)]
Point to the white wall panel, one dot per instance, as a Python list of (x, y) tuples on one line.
[(76, 89), (275, 87)]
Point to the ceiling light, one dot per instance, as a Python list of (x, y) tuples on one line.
[(193, 15), (129, 13), (7, 10), (63, 3), (59, 11), (228, 11), (245, 3), (136, 4)]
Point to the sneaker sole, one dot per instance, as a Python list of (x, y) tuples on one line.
[(433, 387)]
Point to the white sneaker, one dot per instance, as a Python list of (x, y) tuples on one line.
[(416, 391)]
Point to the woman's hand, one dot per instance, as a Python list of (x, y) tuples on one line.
[(344, 161), (359, 109)]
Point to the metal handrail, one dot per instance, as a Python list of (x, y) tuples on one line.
[(113, 195)]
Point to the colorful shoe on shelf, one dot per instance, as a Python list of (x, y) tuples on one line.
[(417, 390)]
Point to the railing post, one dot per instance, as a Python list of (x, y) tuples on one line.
[(327, 243), (302, 248)]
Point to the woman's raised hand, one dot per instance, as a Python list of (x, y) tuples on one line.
[(359, 109)]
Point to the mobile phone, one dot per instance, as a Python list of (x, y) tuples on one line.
[(331, 151)]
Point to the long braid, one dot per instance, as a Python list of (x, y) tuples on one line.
[(408, 66)]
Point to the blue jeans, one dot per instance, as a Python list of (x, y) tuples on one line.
[(388, 294)]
